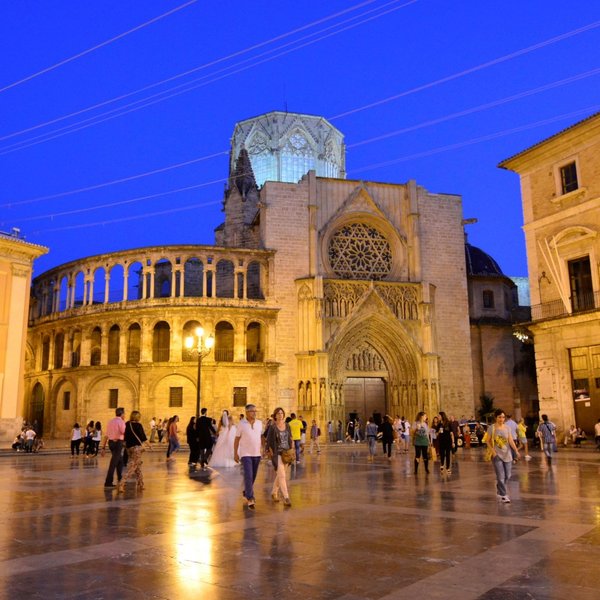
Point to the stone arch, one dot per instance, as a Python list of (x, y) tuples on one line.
[(96, 397), (63, 293), (64, 416), (161, 342), (189, 329), (114, 345), (116, 291), (135, 277), (59, 349), (96, 346), (79, 294), (99, 283), (388, 339), (254, 280), (255, 341)]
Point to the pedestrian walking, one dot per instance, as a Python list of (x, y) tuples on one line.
[(445, 438), (371, 435), (205, 434), (296, 427), (501, 447), (115, 435), (315, 432), (173, 437), (247, 450), (421, 441), (279, 447), (192, 440), (75, 439), (547, 434), (135, 442), (387, 436)]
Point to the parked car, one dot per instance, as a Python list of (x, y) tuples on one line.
[(476, 432)]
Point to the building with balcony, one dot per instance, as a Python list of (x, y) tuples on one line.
[(327, 296), (560, 189)]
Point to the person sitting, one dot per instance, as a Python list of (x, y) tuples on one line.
[(579, 437)]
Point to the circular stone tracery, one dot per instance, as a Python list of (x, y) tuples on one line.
[(359, 251)]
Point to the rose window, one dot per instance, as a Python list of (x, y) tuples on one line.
[(359, 251)]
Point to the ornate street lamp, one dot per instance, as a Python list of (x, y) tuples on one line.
[(202, 345)]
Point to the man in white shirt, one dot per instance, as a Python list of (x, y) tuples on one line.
[(29, 439), (247, 450)]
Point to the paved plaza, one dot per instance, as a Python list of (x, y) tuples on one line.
[(356, 530)]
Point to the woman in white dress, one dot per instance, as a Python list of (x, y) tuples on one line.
[(222, 455)]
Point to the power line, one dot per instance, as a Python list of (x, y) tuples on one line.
[(96, 47), (195, 69), (484, 65), (170, 93), (113, 182), (479, 108), (440, 149), (484, 138), (422, 125)]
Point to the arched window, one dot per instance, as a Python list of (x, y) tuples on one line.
[(161, 342), (134, 335), (96, 347), (488, 299), (76, 349), (163, 272), (192, 278), (117, 279), (114, 339), (45, 353), (254, 346), (224, 279), (79, 289), (224, 342), (59, 348), (99, 286), (189, 329), (63, 301), (254, 290), (135, 281)]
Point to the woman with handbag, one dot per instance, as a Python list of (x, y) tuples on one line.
[(499, 443), (135, 440), (281, 451)]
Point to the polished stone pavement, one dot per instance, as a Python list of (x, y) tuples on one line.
[(356, 530)]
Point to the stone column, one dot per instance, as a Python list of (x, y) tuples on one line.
[(106, 286)]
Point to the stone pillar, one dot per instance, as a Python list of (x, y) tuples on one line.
[(106, 286), (104, 345), (125, 283)]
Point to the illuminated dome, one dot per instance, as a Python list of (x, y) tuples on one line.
[(284, 146)]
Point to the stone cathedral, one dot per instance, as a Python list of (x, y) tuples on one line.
[(325, 295)]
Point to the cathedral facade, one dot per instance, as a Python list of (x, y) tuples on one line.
[(329, 296)]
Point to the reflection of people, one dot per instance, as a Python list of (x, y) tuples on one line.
[(247, 450), (597, 434), (222, 455)]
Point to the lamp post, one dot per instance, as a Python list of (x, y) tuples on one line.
[(202, 345)]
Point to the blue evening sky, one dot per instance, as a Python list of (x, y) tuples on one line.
[(410, 66)]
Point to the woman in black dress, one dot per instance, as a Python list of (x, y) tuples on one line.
[(445, 439), (192, 440), (387, 435)]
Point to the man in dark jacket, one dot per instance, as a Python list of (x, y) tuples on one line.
[(205, 433)]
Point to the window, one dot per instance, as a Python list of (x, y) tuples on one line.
[(224, 335), (488, 299), (240, 395), (113, 398), (114, 342), (580, 279), (175, 397), (568, 178), (67, 401), (133, 344), (161, 341)]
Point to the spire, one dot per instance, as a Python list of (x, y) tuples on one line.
[(243, 176)]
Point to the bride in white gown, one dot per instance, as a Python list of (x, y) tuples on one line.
[(222, 455)]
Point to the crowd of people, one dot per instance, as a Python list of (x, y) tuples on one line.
[(28, 439), (282, 441)]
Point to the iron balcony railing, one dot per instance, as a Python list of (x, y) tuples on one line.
[(556, 308)]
